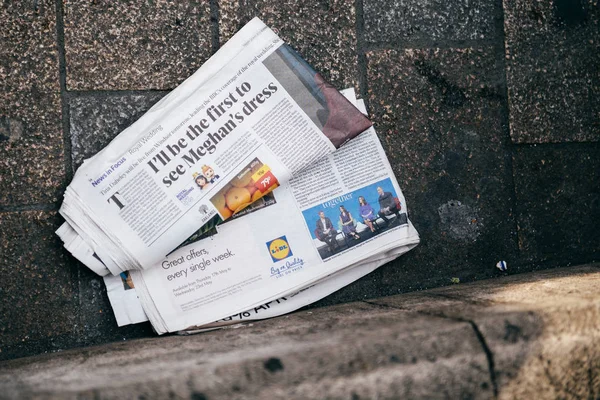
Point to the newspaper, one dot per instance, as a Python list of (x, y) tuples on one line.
[(248, 120), (128, 308), (329, 225)]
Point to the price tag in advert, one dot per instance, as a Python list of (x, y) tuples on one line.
[(261, 171), (266, 182)]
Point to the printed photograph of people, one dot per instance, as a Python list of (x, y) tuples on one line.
[(201, 181), (345, 221), (330, 111), (205, 179)]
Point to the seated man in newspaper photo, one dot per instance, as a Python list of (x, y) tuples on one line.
[(387, 205), (325, 231)]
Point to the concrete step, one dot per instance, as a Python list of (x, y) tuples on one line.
[(526, 336)]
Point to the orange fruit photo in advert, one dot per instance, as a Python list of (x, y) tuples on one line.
[(250, 184), (221, 205), (237, 197)]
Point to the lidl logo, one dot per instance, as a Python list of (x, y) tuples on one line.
[(279, 249)]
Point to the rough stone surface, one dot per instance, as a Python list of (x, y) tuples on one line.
[(558, 203), (31, 145), (28, 51), (519, 337), (552, 56), (96, 120), (132, 45), (541, 329), (390, 21), (322, 32), (459, 218), (326, 354), (439, 116), (31, 148), (38, 288)]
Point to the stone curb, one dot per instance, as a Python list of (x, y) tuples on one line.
[(526, 336)]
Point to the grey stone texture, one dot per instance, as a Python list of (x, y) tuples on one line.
[(31, 148), (38, 288), (521, 337), (552, 68), (95, 121), (541, 329), (416, 20), (558, 202), (322, 32), (31, 144), (438, 113), (132, 45), (28, 50)]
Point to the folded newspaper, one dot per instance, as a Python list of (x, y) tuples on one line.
[(292, 263), (253, 219), (253, 115)]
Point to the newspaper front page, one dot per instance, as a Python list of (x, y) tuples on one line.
[(313, 233), (241, 126)]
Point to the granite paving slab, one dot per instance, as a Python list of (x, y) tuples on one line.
[(558, 202), (541, 329), (415, 20), (28, 51), (552, 69), (439, 116), (31, 148), (322, 32), (131, 45), (38, 287)]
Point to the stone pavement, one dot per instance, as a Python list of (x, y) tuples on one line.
[(489, 112), (528, 336)]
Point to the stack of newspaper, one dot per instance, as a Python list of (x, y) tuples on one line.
[(251, 190)]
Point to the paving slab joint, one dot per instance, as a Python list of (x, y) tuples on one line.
[(488, 354), (214, 25)]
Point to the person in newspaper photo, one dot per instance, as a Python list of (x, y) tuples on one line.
[(348, 224), (388, 206), (201, 181), (209, 173), (325, 232), (366, 212), (127, 281), (357, 218)]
